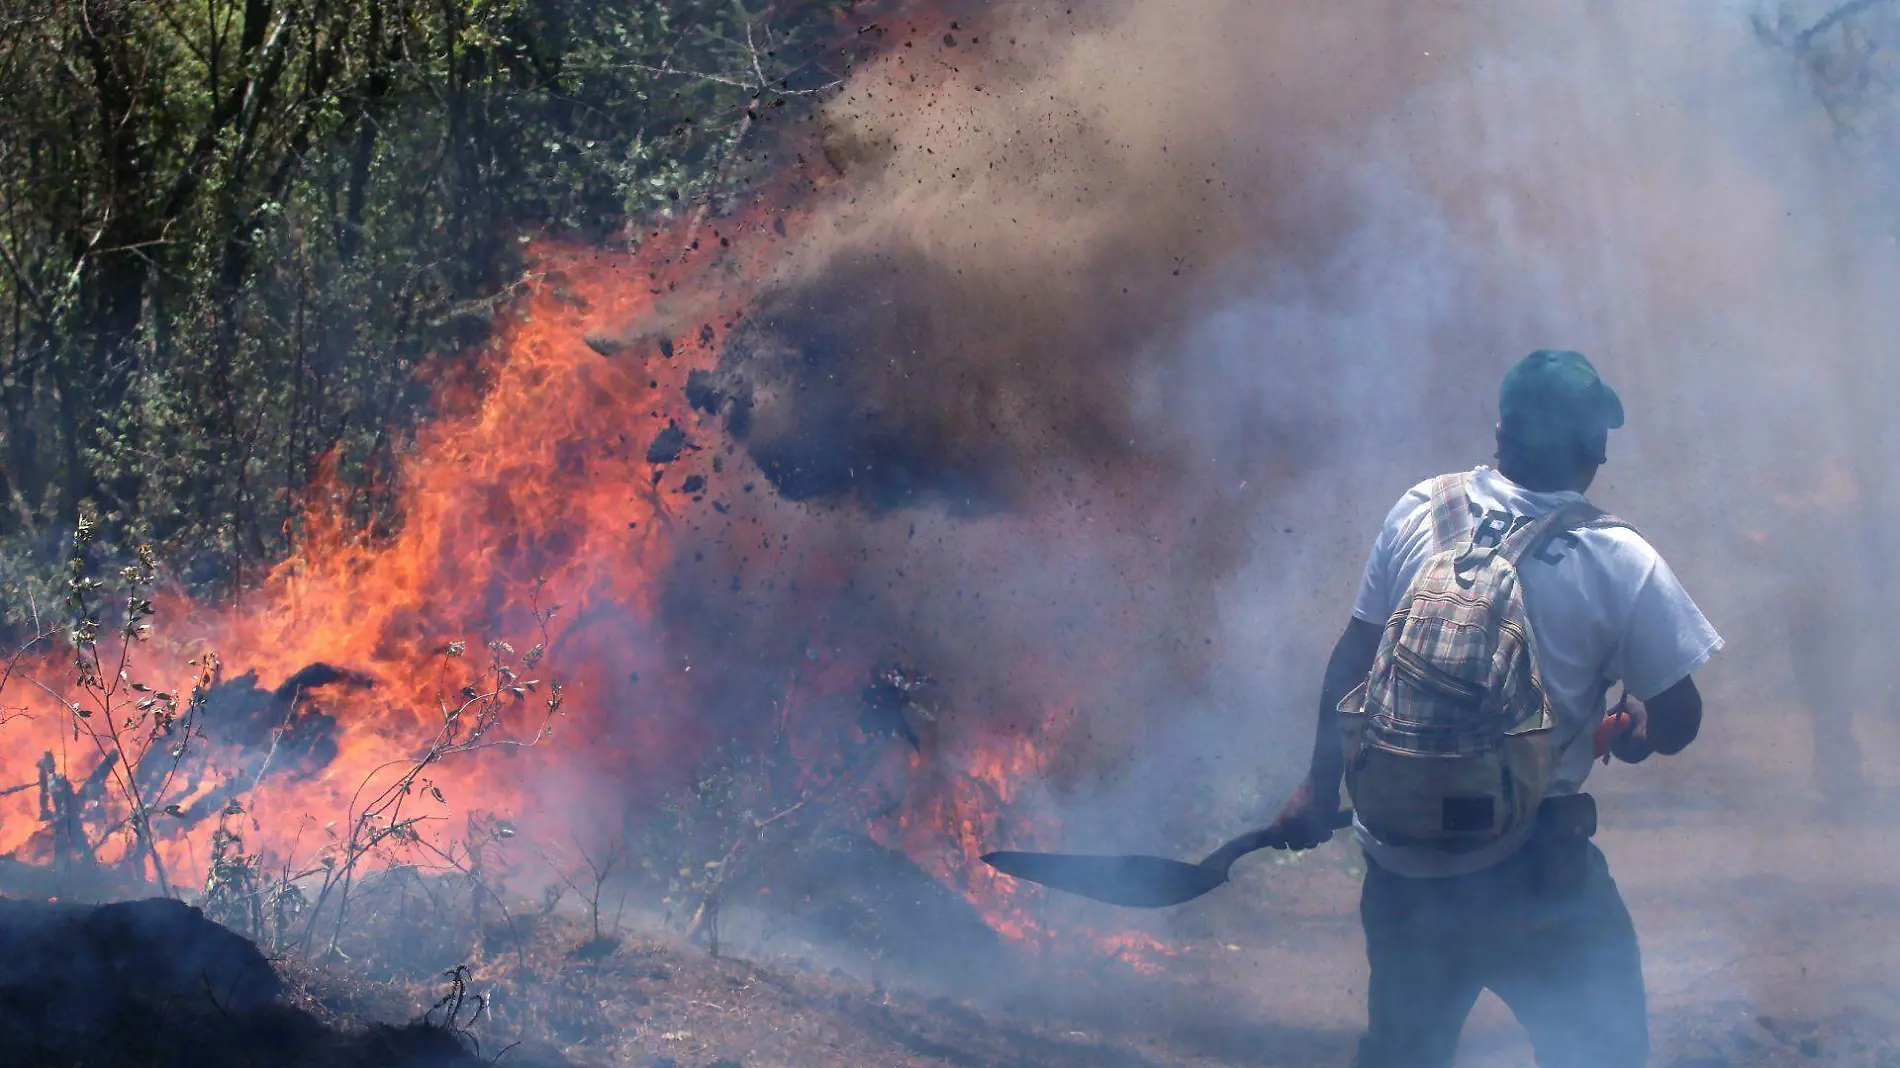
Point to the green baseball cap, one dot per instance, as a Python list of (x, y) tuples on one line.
[(1553, 399)]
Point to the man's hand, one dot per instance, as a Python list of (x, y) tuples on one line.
[(1624, 733), (1306, 820)]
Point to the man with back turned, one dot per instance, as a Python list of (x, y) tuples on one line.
[(1463, 708)]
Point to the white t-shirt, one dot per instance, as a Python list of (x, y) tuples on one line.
[(1604, 608)]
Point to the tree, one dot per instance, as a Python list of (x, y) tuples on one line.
[(230, 230)]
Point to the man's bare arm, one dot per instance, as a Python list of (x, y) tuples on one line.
[(1305, 821)]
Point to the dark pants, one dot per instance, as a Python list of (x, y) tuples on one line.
[(1566, 963)]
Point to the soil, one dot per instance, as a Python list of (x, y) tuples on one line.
[(1766, 934), (1765, 915)]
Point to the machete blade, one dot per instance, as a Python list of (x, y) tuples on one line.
[(1141, 882), (1137, 880)]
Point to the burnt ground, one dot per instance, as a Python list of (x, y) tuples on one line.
[(1747, 968), (1767, 921), (1767, 933)]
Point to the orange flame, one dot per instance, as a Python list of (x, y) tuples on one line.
[(529, 513)]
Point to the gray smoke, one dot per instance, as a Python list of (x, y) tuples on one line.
[(1098, 380)]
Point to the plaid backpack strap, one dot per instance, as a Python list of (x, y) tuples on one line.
[(1606, 521), (1565, 517), (1451, 510)]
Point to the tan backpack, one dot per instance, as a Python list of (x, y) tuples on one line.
[(1448, 742)]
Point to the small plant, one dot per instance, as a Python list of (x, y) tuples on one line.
[(127, 777), (244, 895), (748, 800), (708, 836), (589, 881), (458, 1010), (383, 820)]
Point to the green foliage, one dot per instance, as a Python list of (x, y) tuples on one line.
[(231, 231)]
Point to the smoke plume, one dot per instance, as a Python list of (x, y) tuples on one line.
[(1133, 321)]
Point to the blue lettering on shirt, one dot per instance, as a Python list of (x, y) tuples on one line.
[(1494, 525)]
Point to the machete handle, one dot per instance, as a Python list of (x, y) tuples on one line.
[(1613, 726), (1223, 858)]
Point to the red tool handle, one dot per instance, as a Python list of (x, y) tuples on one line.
[(1612, 728)]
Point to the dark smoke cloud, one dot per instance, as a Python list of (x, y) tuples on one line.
[(827, 398)]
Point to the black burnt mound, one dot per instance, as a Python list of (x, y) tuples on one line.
[(154, 984), (283, 731), (240, 713)]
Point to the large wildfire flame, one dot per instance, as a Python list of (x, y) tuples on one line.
[(533, 496), (531, 514)]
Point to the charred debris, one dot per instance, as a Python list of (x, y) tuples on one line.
[(888, 705)]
